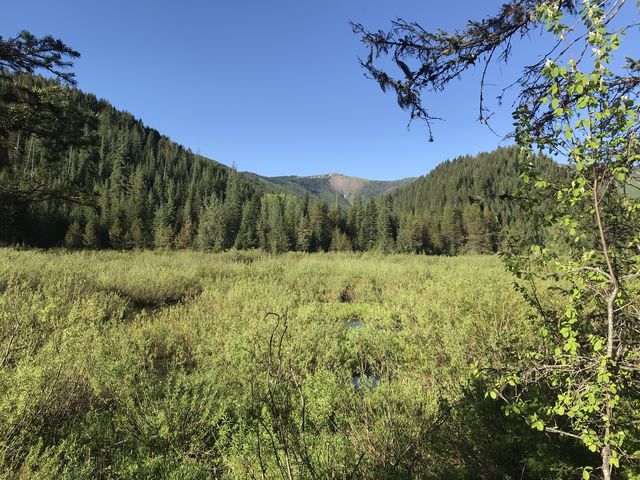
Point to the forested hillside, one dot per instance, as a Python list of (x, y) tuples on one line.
[(122, 185), (461, 195), (333, 186)]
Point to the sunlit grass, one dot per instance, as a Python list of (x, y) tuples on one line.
[(151, 363)]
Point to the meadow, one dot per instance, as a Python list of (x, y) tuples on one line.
[(246, 365)]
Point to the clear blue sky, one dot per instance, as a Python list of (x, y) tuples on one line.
[(273, 86)]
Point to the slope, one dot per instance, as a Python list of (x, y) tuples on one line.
[(330, 186)]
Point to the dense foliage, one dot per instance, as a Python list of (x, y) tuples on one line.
[(163, 365), (122, 185), (470, 203), (574, 101)]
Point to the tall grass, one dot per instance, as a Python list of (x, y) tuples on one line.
[(166, 365)]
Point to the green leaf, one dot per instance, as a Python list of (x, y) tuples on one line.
[(597, 346), (568, 132), (583, 101)]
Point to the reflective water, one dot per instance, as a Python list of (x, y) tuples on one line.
[(364, 381)]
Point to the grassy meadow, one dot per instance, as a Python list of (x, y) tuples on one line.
[(244, 365)]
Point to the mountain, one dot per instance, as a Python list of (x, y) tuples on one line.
[(488, 179), (137, 185), (127, 186), (333, 185)]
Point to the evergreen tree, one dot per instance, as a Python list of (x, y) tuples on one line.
[(232, 208), (336, 215), (305, 203), (384, 229), (247, 237), (73, 237), (354, 220), (339, 241), (163, 234), (137, 236), (412, 236), (478, 234), (90, 237), (116, 235), (304, 235), (368, 232), (451, 229), (211, 226), (137, 200), (319, 222), (291, 218), (273, 234), (120, 159), (184, 239)]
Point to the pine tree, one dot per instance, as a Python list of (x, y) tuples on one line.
[(116, 235), (184, 239), (305, 204), (232, 208), (478, 236), (279, 240), (412, 236), (354, 220), (384, 240), (319, 222), (368, 233), (163, 234), (73, 237), (274, 236), (90, 237), (137, 200), (137, 236), (336, 215), (339, 241), (211, 227), (451, 229), (247, 237), (117, 180), (304, 235)]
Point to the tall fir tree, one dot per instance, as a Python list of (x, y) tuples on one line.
[(232, 208), (211, 233), (368, 232), (247, 237), (163, 233), (320, 226), (384, 237), (451, 229), (478, 236), (339, 241), (304, 235)]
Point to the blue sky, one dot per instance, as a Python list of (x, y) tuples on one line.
[(273, 86)]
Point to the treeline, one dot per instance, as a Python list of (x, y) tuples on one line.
[(125, 186)]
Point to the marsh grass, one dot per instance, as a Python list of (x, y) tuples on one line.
[(157, 365)]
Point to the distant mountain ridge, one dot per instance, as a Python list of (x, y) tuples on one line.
[(327, 187)]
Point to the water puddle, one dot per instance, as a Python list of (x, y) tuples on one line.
[(355, 323), (365, 381)]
